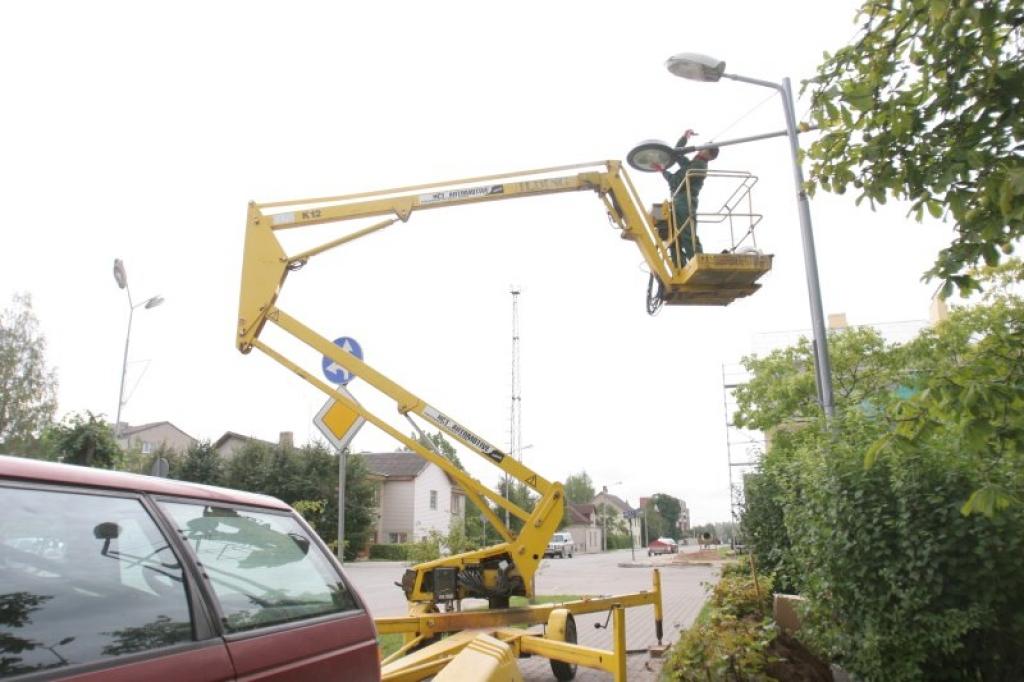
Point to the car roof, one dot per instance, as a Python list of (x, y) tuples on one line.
[(19, 468)]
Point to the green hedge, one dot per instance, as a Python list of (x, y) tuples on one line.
[(901, 520), (901, 584), (397, 552), (732, 641)]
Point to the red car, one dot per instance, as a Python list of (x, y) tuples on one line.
[(112, 576), (662, 546)]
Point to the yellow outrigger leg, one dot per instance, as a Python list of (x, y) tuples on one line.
[(483, 648)]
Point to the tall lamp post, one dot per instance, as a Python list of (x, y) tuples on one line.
[(121, 277), (604, 521), (701, 67)]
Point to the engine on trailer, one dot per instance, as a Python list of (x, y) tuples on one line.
[(495, 580)]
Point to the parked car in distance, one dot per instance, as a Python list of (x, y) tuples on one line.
[(560, 545), (113, 576), (662, 546)]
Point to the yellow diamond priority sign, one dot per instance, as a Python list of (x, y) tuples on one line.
[(338, 422)]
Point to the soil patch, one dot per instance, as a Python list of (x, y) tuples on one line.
[(796, 663)]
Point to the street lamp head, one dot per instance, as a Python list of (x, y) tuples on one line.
[(154, 302), (120, 276), (696, 67)]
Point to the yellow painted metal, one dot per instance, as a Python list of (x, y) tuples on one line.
[(485, 659), (556, 624), (718, 278), (429, 660), (470, 485), (412, 641), (586, 656), (266, 266), (431, 624), (619, 636)]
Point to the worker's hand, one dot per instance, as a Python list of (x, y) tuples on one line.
[(689, 133)]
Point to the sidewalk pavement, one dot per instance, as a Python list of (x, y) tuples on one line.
[(683, 595)]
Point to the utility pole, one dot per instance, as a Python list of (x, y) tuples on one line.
[(515, 427)]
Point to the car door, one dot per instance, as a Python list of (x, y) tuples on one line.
[(285, 608), (91, 588)]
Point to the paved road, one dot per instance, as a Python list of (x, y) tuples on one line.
[(589, 574)]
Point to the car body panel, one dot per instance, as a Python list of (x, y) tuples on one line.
[(342, 648), (206, 662), (339, 646)]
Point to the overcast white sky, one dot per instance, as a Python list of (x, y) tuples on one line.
[(141, 130)]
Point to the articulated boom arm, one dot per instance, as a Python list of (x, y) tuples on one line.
[(505, 569)]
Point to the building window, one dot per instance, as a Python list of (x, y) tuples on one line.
[(397, 538), (376, 495), (456, 504), (147, 447), (433, 500)]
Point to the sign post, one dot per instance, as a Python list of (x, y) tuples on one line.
[(339, 424)]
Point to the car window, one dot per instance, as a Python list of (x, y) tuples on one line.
[(263, 567), (84, 577)]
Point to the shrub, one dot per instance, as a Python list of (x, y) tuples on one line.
[(901, 520), (397, 552), (732, 643)]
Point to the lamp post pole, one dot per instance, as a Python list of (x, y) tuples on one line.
[(703, 68), (121, 277)]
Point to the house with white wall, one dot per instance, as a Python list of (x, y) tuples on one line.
[(413, 496), (618, 510), (583, 526)]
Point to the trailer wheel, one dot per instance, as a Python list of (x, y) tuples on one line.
[(562, 627)]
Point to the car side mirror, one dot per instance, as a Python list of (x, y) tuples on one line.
[(108, 530), (301, 541)]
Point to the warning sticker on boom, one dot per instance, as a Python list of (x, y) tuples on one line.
[(448, 424), (464, 193)]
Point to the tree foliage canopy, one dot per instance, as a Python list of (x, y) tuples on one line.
[(902, 520), (925, 106), (28, 388), (83, 439), (579, 488)]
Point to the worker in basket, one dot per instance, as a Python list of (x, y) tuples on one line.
[(684, 200)]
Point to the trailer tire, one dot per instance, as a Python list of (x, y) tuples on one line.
[(562, 627)]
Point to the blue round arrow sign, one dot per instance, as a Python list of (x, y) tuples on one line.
[(334, 372)]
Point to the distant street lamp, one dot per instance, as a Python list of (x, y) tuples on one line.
[(604, 522), (121, 277), (701, 67)]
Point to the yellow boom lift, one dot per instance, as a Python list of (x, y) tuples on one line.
[(435, 589)]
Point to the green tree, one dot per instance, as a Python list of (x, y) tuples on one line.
[(438, 443), (655, 524), (360, 509), (924, 106), (28, 389), (579, 488), (519, 494), (201, 464), (85, 440), (247, 468), (669, 509), (871, 516), (614, 527), (310, 475)]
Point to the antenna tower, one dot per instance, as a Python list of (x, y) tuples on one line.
[(516, 420), (515, 425)]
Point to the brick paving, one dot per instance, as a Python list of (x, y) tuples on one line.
[(683, 594)]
